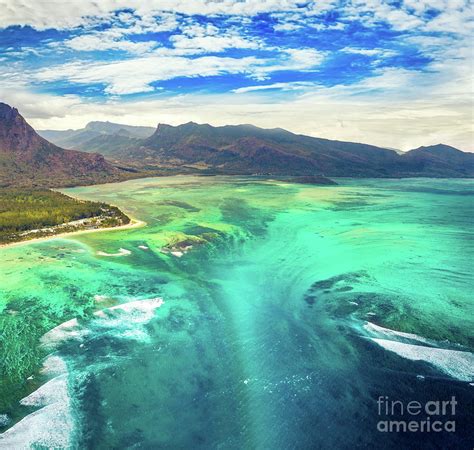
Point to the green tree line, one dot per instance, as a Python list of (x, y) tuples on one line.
[(24, 210)]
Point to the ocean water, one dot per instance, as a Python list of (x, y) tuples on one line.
[(246, 314)]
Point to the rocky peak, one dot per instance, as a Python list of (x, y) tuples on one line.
[(30, 160), (7, 112), (15, 133)]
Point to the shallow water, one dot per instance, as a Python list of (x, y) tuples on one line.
[(285, 314)]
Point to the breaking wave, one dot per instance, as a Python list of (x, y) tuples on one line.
[(457, 364)]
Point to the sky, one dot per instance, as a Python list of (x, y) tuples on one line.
[(397, 74)]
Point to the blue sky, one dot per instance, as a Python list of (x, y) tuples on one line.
[(391, 73)]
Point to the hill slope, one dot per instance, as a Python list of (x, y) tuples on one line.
[(246, 149), (27, 159), (440, 160)]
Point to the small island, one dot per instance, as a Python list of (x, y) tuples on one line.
[(32, 214)]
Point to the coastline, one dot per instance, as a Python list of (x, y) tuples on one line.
[(134, 223)]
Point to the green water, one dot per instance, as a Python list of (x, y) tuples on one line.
[(268, 335)]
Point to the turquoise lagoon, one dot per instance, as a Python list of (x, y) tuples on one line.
[(247, 313)]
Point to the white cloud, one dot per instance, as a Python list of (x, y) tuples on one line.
[(289, 86), (63, 15), (304, 58), (196, 38), (211, 44), (105, 41), (454, 16), (320, 26), (136, 75), (117, 37), (290, 59), (369, 52), (320, 7), (287, 26)]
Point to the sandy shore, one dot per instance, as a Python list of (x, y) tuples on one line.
[(134, 223)]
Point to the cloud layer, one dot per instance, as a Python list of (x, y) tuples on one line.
[(392, 74)]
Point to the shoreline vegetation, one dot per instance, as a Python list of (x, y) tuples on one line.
[(28, 216), (134, 223)]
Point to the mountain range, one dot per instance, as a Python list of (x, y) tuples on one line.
[(100, 137), (244, 149), (26, 158)]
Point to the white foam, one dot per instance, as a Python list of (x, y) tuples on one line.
[(121, 252), (51, 426), (50, 392), (53, 366), (123, 315), (387, 332), (457, 364), (139, 311), (136, 335), (126, 320), (145, 305), (61, 333), (143, 247)]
